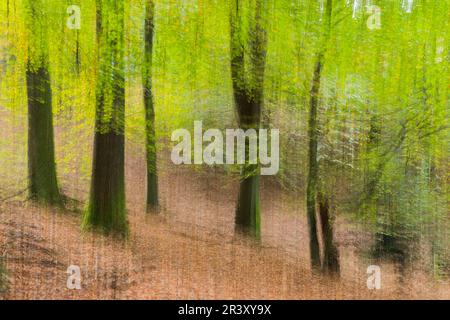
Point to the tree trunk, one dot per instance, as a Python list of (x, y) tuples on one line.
[(330, 262), (314, 190), (77, 54), (42, 179), (311, 191), (107, 200), (106, 211), (152, 177), (248, 97), (248, 218)]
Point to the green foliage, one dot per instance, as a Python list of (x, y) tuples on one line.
[(383, 111)]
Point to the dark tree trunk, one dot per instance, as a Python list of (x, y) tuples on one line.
[(43, 185), (106, 211), (311, 190), (7, 13), (314, 192), (107, 199), (152, 177), (330, 263), (42, 178), (248, 98), (248, 215), (248, 219), (77, 54)]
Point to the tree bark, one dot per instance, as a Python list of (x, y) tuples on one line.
[(106, 211), (42, 178), (152, 177), (311, 190), (248, 97), (330, 262), (315, 195)]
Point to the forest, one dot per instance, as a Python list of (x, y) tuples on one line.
[(119, 178)]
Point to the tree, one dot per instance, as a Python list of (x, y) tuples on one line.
[(315, 193), (248, 99), (42, 178), (106, 210), (152, 177)]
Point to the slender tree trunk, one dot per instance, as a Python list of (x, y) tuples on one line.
[(330, 263), (7, 13), (77, 54), (42, 178), (152, 177), (106, 211), (314, 193), (248, 97), (311, 190)]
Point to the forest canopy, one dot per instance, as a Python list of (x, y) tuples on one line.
[(358, 89)]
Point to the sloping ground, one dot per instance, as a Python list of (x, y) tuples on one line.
[(188, 252), (157, 262)]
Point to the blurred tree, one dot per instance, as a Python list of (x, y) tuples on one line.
[(316, 194), (248, 98), (106, 210), (152, 177), (43, 185)]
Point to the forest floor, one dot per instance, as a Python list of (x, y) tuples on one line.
[(188, 251)]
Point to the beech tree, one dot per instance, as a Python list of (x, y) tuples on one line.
[(42, 178), (106, 210), (152, 177), (315, 194), (248, 99)]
